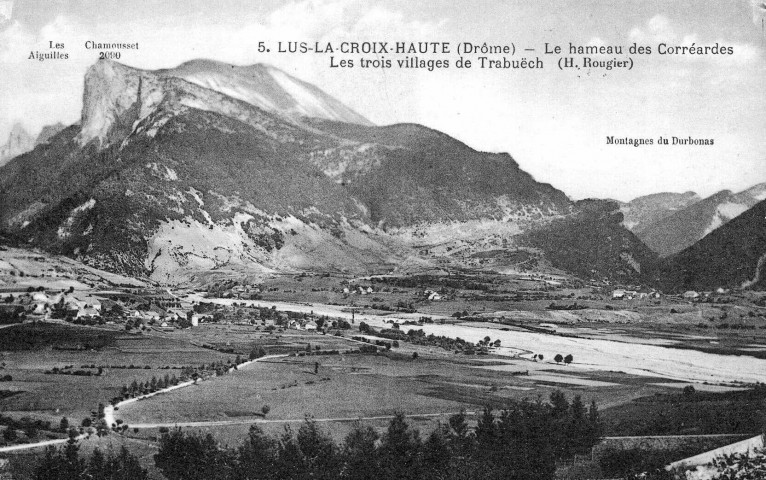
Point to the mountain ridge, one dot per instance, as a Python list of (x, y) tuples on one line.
[(165, 178), (732, 256), (683, 228)]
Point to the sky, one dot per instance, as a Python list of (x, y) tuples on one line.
[(554, 123)]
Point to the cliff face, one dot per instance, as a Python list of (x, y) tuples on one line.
[(115, 97)]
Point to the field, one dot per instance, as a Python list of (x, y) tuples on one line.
[(51, 396), (348, 387)]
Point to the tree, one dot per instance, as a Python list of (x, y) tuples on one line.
[(124, 466), (257, 456), (66, 464), (257, 352), (97, 465), (437, 457), (320, 455), (595, 428), (64, 424), (9, 434), (559, 404), (400, 450), (577, 438), (568, 359), (359, 454), (265, 410), (486, 431), (192, 457), (459, 435), (558, 358)]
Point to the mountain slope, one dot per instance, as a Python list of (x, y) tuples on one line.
[(267, 88), (594, 245), (170, 174), (644, 211), (685, 227), (48, 132), (733, 255), (408, 174)]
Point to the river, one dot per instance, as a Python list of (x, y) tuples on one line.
[(592, 354)]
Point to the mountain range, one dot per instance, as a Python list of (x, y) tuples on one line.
[(732, 256), (209, 168), (670, 222)]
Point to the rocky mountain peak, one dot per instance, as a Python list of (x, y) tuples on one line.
[(19, 141), (115, 95)]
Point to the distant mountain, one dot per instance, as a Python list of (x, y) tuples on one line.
[(172, 174), (19, 141), (733, 255), (643, 211), (685, 227), (48, 132)]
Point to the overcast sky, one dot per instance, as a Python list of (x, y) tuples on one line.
[(553, 123)]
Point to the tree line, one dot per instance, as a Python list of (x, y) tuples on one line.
[(521, 442)]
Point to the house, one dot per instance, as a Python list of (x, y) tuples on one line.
[(165, 327), (691, 295), (72, 304), (310, 326), (174, 316), (88, 312), (41, 309), (618, 294), (40, 297)]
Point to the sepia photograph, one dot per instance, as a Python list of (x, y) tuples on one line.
[(380, 239)]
